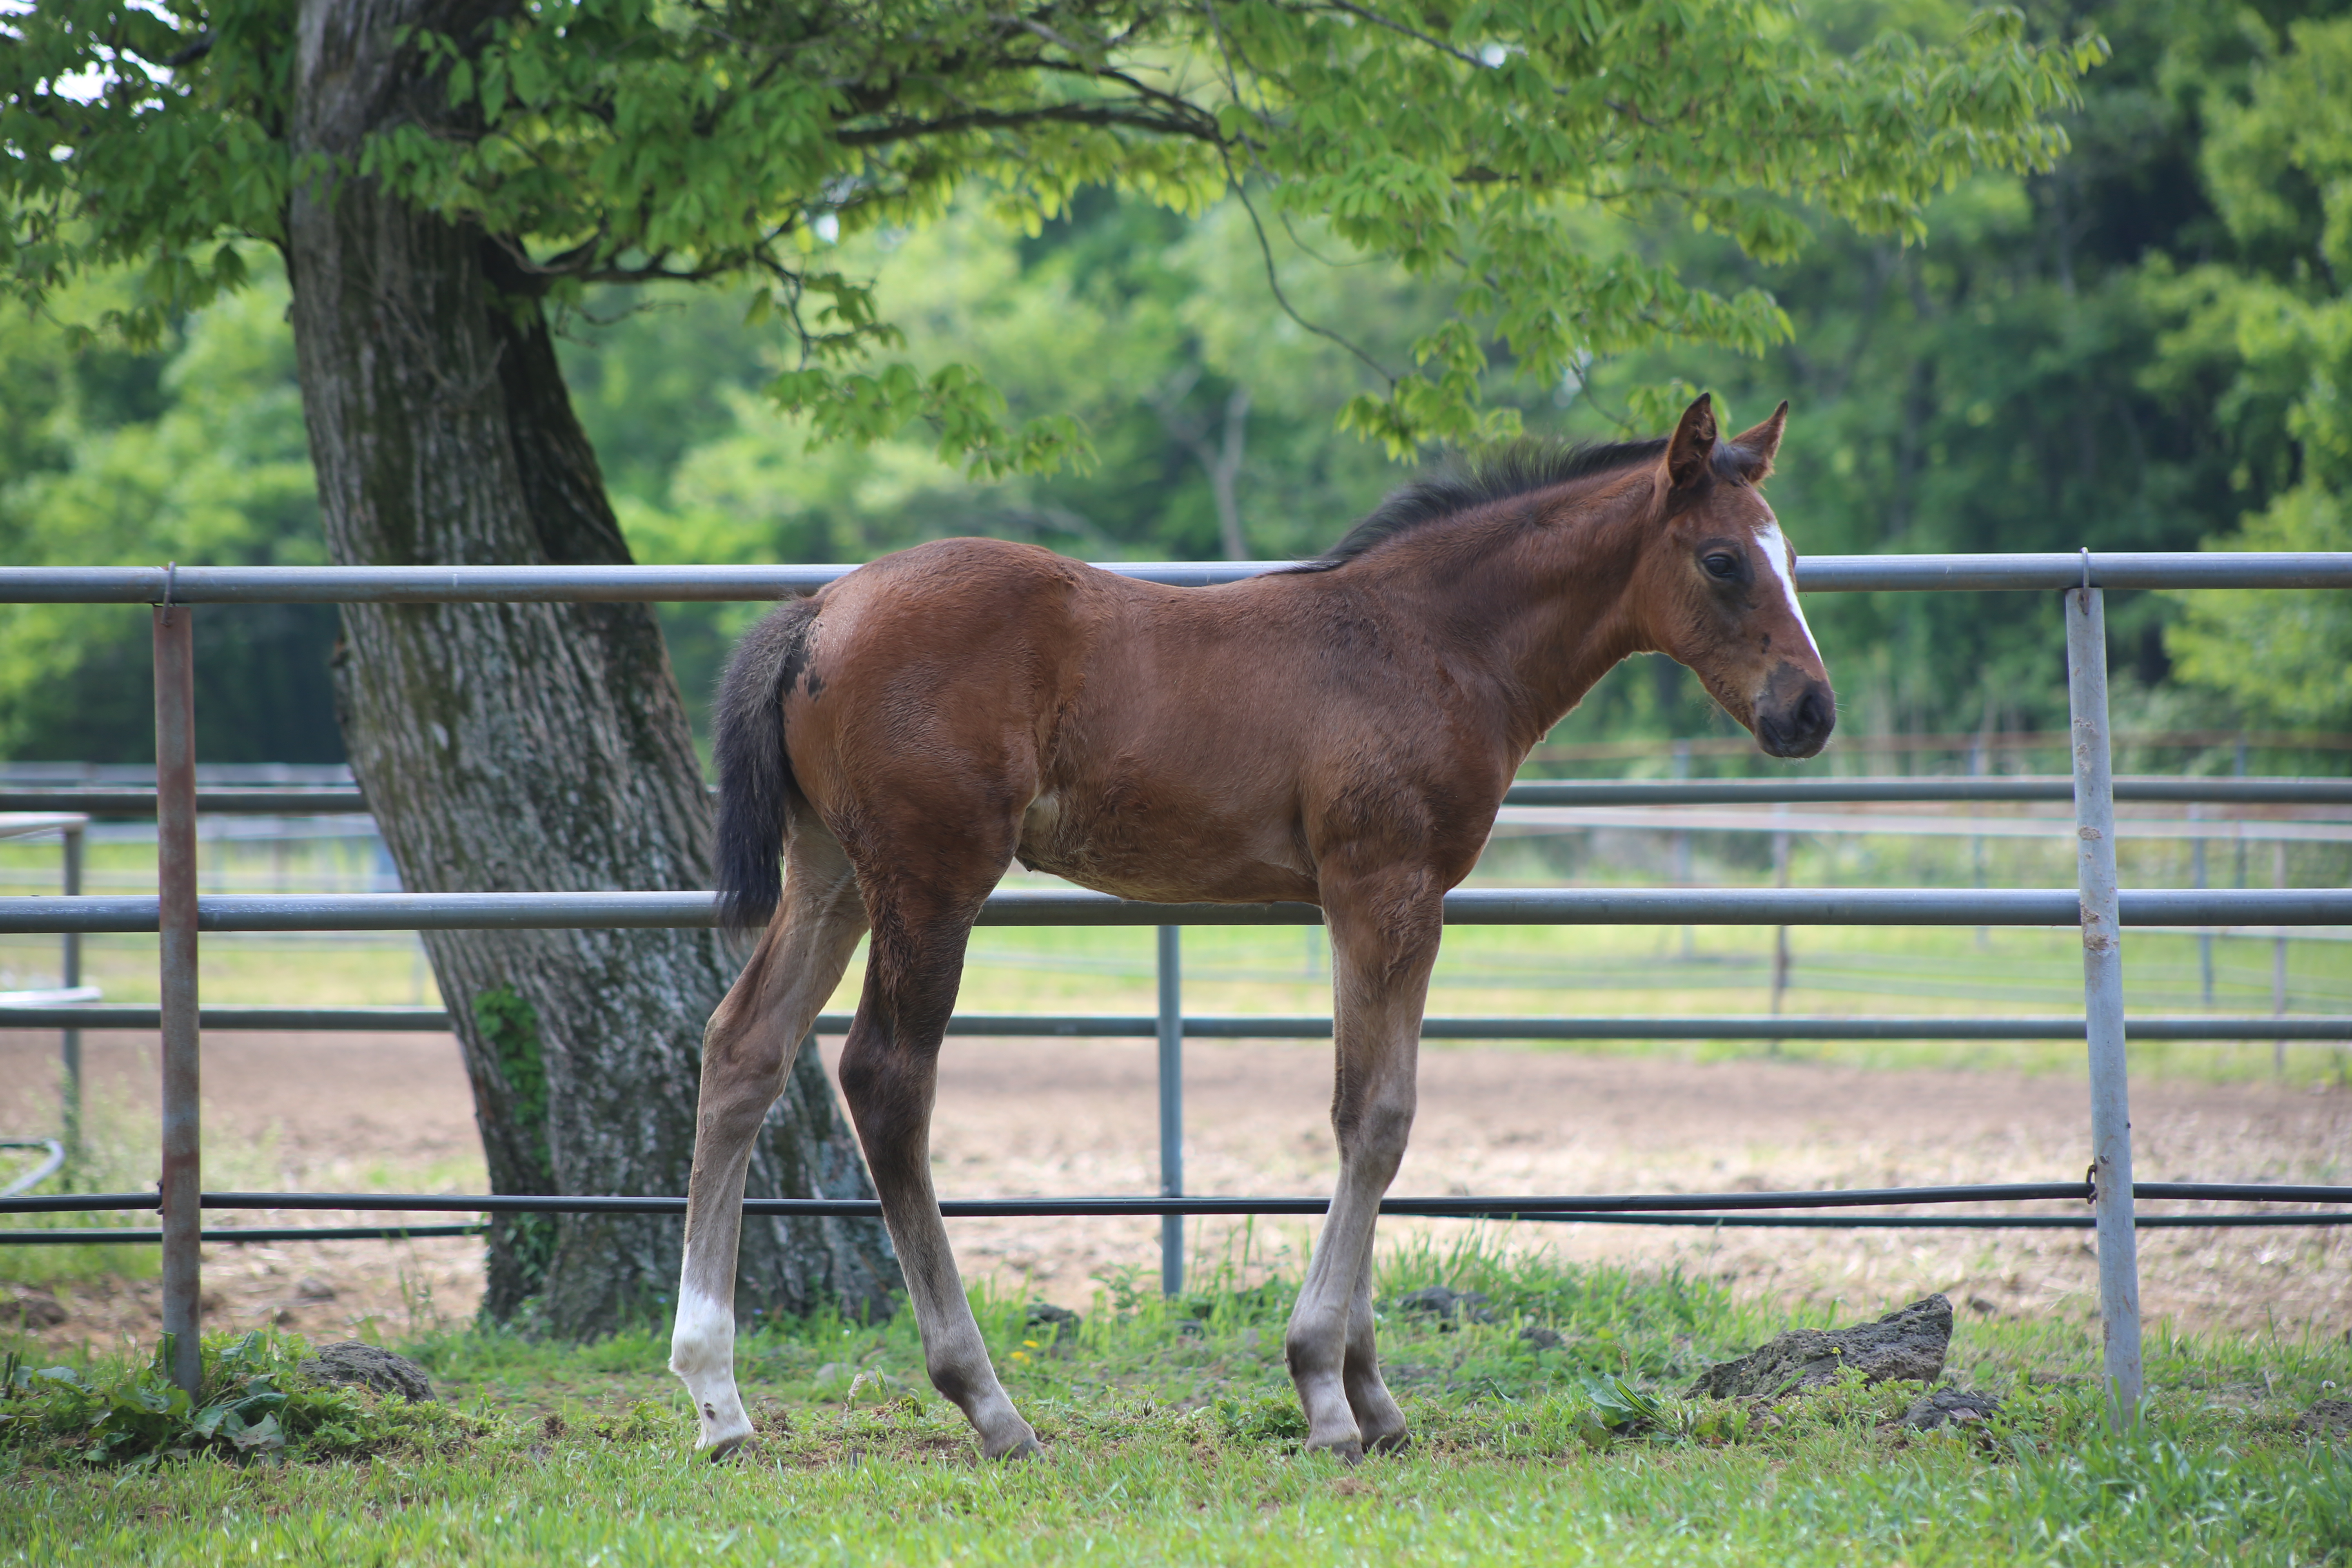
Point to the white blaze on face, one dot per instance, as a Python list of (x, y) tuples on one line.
[(1776, 556)]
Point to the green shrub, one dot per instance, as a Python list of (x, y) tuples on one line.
[(254, 1403)]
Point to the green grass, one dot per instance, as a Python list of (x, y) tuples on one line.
[(1171, 1437)]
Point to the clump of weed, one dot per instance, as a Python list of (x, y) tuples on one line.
[(1619, 1410), (1607, 1320), (1269, 1417), (253, 1403)]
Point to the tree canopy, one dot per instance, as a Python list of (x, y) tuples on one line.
[(639, 141), (2141, 347)]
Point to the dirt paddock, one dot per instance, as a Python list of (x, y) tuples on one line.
[(1019, 1117)]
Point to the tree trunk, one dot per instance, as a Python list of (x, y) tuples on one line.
[(524, 746)]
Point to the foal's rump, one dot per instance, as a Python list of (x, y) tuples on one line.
[(918, 689)]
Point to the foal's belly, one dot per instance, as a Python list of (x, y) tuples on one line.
[(1165, 857)]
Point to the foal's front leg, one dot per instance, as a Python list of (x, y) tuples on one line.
[(1384, 934)]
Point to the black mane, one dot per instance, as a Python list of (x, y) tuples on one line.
[(1518, 469)]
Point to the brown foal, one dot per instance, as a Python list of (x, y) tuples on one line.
[(1340, 733)]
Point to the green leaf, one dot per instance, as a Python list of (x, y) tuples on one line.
[(262, 1436)]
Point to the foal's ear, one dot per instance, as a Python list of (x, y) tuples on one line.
[(1757, 446), (1690, 455)]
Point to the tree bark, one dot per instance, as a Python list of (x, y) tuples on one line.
[(524, 746)]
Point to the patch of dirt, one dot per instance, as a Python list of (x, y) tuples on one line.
[(1024, 1117), (1051, 1117), (321, 1112)]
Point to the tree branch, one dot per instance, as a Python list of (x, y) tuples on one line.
[(1378, 20), (1274, 283), (1199, 127)]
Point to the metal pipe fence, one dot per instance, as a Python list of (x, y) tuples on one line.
[(253, 1235), (2320, 1027), (680, 584), (281, 800), (1723, 1209), (2097, 907), (1455, 1207), (2051, 907)]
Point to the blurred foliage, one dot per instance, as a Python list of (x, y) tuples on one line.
[(2135, 351), (1151, 330), (2145, 347), (195, 452), (2275, 334)]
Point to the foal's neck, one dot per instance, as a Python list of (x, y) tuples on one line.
[(1536, 590)]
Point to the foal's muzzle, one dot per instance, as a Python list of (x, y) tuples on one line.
[(1796, 713)]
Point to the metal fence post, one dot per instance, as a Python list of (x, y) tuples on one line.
[(69, 976), (1976, 845), (2205, 937), (1682, 842), (2102, 998), (175, 874), (1171, 1106), (2278, 962)]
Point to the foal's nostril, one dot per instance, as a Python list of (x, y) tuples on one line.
[(1799, 728)]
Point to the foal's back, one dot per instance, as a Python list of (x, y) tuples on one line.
[(1158, 742)]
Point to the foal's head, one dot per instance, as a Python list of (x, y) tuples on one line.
[(1716, 588)]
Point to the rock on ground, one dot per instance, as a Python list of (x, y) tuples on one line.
[(32, 1308), (1447, 1306), (1058, 1323), (1949, 1406), (1907, 1344), (351, 1362), (1061, 1320)]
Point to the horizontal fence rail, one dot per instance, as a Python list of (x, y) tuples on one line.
[(1000, 1208), (32, 914), (1272, 1027), (1892, 791), (239, 1235), (1738, 1210), (103, 800), (249, 800), (88, 1236), (490, 585), (503, 584)]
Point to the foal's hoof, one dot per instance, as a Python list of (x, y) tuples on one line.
[(725, 1448), (1349, 1451), (1395, 1442), (1025, 1446)]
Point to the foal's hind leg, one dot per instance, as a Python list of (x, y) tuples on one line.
[(889, 1074), (747, 1051), (1384, 933)]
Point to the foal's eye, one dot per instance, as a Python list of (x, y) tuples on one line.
[(1721, 566)]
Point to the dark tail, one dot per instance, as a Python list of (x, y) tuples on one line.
[(755, 777)]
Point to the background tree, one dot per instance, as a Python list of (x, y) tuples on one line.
[(2276, 330), (437, 173), (195, 451), (2129, 350)]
